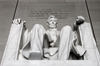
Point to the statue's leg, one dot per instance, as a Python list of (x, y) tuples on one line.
[(36, 40), (66, 38)]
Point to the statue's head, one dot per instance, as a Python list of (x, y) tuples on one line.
[(52, 21), (80, 18)]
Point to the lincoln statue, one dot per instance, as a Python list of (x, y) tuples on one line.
[(51, 44), (39, 44)]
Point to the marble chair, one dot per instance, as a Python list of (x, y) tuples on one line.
[(12, 49)]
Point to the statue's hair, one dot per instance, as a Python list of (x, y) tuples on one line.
[(81, 18), (51, 16)]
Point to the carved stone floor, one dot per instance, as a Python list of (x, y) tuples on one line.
[(50, 63)]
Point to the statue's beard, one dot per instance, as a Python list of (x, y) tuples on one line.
[(52, 26)]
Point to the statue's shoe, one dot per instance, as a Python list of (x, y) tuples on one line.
[(34, 56)]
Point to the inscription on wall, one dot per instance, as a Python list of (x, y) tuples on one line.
[(42, 11)]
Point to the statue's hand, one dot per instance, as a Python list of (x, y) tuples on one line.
[(52, 44), (17, 21), (80, 20)]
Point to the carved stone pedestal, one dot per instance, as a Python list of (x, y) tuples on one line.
[(51, 63)]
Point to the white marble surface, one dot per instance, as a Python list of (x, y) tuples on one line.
[(51, 63), (89, 43), (13, 43)]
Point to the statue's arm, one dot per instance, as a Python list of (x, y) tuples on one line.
[(78, 48)]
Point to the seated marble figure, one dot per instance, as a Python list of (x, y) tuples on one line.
[(51, 44)]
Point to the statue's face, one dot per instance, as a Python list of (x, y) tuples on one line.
[(52, 23)]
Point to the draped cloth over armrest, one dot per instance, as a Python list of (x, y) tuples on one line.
[(79, 50), (13, 43), (89, 43)]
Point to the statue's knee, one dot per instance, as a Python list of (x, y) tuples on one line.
[(37, 26), (67, 28)]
